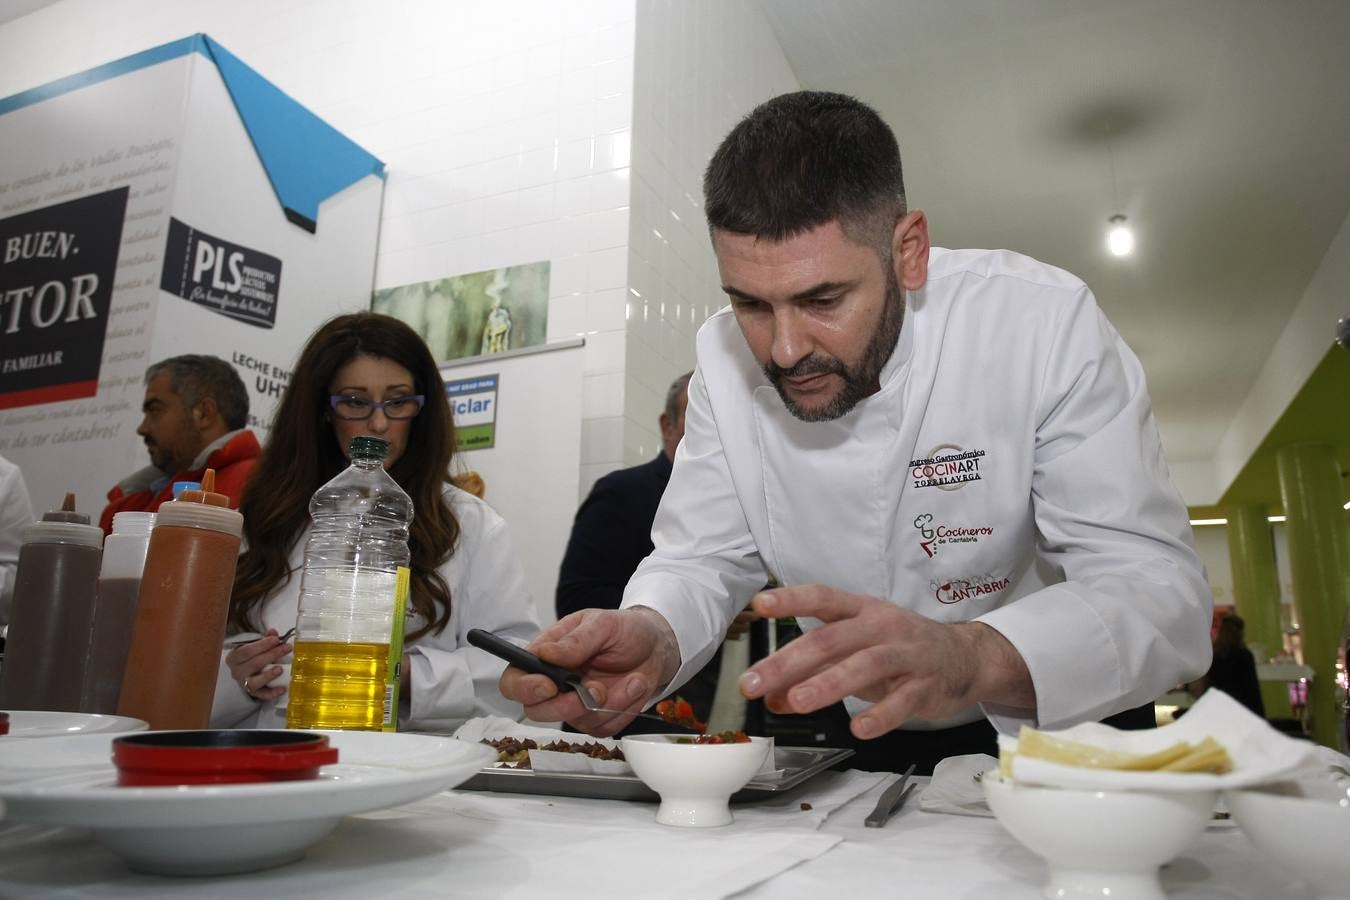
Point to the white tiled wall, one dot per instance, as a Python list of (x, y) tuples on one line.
[(506, 129), (510, 136), (700, 66)]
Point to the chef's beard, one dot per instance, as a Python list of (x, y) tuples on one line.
[(860, 381)]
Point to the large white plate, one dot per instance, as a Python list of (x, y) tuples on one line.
[(215, 829), (30, 723)]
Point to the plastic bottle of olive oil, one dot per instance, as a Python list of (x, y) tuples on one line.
[(349, 630)]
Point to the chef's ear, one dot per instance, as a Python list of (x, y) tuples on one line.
[(909, 250)]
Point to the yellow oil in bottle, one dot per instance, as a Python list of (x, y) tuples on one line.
[(338, 685)]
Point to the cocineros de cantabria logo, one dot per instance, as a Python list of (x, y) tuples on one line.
[(932, 536), (955, 590), (947, 467)]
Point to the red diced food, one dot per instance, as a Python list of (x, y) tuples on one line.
[(678, 711), (722, 737)]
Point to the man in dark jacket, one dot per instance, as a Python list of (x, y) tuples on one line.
[(612, 533)]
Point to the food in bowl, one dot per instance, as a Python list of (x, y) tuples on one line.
[(722, 737), (244, 756), (695, 782), (1208, 755), (1099, 843)]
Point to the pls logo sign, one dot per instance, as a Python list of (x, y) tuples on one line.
[(226, 278)]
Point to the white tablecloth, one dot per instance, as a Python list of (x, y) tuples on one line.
[(471, 844)]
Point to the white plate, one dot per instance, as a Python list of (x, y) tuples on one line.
[(217, 829), (31, 723)]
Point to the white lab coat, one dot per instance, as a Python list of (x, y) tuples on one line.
[(451, 681), (16, 512), (1008, 471)]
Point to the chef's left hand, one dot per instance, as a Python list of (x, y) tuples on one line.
[(909, 666)]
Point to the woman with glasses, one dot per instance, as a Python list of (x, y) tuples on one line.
[(371, 374)]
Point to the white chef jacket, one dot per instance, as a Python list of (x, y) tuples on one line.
[(450, 680), (1008, 471)]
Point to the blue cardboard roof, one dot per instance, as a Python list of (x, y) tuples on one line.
[(306, 159)]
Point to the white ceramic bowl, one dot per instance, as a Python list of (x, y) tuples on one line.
[(695, 781), (1305, 825), (1100, 843), (216, 829)]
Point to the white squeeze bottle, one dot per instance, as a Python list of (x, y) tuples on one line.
[(349, 630), (119, 586)]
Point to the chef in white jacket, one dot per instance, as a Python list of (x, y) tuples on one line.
[(947, 458)]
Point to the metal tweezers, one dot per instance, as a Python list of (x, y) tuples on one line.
[(891, 800)]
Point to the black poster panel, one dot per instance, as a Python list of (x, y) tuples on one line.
[(226, 278), (56, 280)]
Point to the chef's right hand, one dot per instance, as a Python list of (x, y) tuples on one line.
[(252, 666), (623, 656)]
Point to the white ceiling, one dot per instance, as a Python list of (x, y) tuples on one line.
[(1227, 121), (13, 9)]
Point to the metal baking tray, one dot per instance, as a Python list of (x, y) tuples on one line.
[(799, 764)]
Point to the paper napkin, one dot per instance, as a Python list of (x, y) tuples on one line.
[(1259, 753)]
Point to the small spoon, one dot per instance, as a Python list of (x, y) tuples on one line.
[(239, 642), (565, 679)]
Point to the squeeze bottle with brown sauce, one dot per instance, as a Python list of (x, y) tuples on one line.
[(170, 677), (54, 589)]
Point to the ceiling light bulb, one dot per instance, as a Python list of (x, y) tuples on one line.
[(1120, 239)]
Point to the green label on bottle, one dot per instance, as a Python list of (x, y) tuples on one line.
[(395, 676)]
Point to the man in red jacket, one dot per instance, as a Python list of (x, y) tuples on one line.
[(195, 409)]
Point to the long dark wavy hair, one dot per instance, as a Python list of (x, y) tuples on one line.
[(302, 453)]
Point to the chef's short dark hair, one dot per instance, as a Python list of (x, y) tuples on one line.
[(195, 377), (801, 160)]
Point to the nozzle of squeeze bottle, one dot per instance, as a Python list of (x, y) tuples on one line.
[(206, 492), (67, 512)]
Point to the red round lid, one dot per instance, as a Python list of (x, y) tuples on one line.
[(219, 756)]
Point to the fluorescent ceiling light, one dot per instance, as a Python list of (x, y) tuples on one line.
[(1120, 239), (1272, 519)]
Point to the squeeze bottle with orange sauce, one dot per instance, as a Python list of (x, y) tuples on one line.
[(170, 677)]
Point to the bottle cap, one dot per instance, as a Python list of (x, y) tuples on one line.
[(205, 492), (180, 486), (367, 446), (64, 526), (67, 512), (202, 509), (138, 523)]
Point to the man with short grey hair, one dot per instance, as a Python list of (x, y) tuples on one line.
[(195, 410)]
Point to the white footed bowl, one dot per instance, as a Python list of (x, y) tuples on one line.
[(1305, 826), (695, 781), (1100, 843)]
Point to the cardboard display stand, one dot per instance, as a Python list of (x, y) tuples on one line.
[(170, 202)]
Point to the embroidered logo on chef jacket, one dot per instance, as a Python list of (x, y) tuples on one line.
[(932, 536), (947, 467), (954, 590)]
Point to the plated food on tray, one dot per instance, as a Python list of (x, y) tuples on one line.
[(514, 752)]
